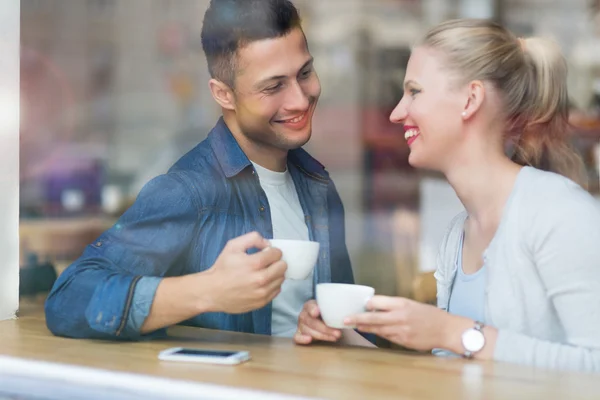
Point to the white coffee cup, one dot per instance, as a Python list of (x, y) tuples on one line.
[(338, 301), (299, 255)]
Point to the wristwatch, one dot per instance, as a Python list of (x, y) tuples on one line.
[(473, 339)]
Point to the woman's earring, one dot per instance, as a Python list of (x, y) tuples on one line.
[(464, 113)]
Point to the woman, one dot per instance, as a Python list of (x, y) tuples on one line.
[(524, 258)]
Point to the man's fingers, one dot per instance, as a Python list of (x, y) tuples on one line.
[(300, 338), (318, 335), (275, 271), (274, 288), (313, 309), (246, 242), (316, 324), (265, 258)]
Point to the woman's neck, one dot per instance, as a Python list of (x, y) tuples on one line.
[(483, 183)]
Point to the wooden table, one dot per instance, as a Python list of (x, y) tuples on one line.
[(319, 371)]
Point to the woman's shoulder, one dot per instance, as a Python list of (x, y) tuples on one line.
[(548, 198), (543, 187)]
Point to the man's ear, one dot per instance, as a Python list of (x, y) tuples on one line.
[(222, 94)]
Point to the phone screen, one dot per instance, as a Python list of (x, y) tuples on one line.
[(205, 353)]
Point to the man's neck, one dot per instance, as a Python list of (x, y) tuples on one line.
[(264, 155)]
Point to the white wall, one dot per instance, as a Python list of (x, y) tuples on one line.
[(476, 8), (9, 158)]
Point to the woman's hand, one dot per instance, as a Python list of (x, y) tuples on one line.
[(405, 322)]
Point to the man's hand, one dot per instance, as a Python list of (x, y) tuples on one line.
[(311, 327), (245, 282)]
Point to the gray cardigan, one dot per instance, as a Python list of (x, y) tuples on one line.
[(543, 279)]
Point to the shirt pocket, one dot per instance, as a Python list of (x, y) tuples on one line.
[(218, 227)]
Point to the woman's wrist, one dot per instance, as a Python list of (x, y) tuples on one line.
[(452, 338)]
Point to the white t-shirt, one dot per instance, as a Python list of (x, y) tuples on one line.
[(288, 222)]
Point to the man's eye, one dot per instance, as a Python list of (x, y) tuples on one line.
[(273, 88), (306, 73)]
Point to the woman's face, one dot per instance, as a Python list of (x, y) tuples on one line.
[(431, 111)]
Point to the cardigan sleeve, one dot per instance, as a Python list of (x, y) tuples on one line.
[(563, 239)]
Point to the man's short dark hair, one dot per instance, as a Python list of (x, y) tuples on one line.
[(229, 25)]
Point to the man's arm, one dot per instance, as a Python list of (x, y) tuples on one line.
[(93, 298), (116, 290), (235, 284), (174, 300)]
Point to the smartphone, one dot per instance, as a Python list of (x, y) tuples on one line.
[(204, 356)]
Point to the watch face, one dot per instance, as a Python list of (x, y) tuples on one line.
[(473, 340)]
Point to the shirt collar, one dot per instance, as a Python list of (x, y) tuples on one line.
[(233, 160)]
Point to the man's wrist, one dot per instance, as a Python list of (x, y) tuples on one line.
[(203, 290)]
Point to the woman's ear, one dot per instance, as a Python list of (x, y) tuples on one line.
[(475, 96)]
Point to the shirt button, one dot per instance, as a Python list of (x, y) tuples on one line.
[(262, 208)]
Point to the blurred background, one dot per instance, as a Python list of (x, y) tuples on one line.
[(114, 91)]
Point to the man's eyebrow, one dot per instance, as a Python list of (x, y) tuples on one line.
[(308, 63), (262, 82)]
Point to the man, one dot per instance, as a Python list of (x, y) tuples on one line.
[(182, 253)]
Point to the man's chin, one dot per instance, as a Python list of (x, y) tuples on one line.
[(291, 141)]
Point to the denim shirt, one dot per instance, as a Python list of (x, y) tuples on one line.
[(178, 225)]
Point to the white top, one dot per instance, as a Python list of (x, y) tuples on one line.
[(543, 274), (288, 222), (468, 290)]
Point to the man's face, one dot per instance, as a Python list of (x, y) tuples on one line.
[(276, 91)]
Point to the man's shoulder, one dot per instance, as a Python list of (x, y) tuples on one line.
[(199, 159), (199, 165), (196, 174)]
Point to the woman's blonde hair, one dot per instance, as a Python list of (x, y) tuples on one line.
[(531, 77)]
